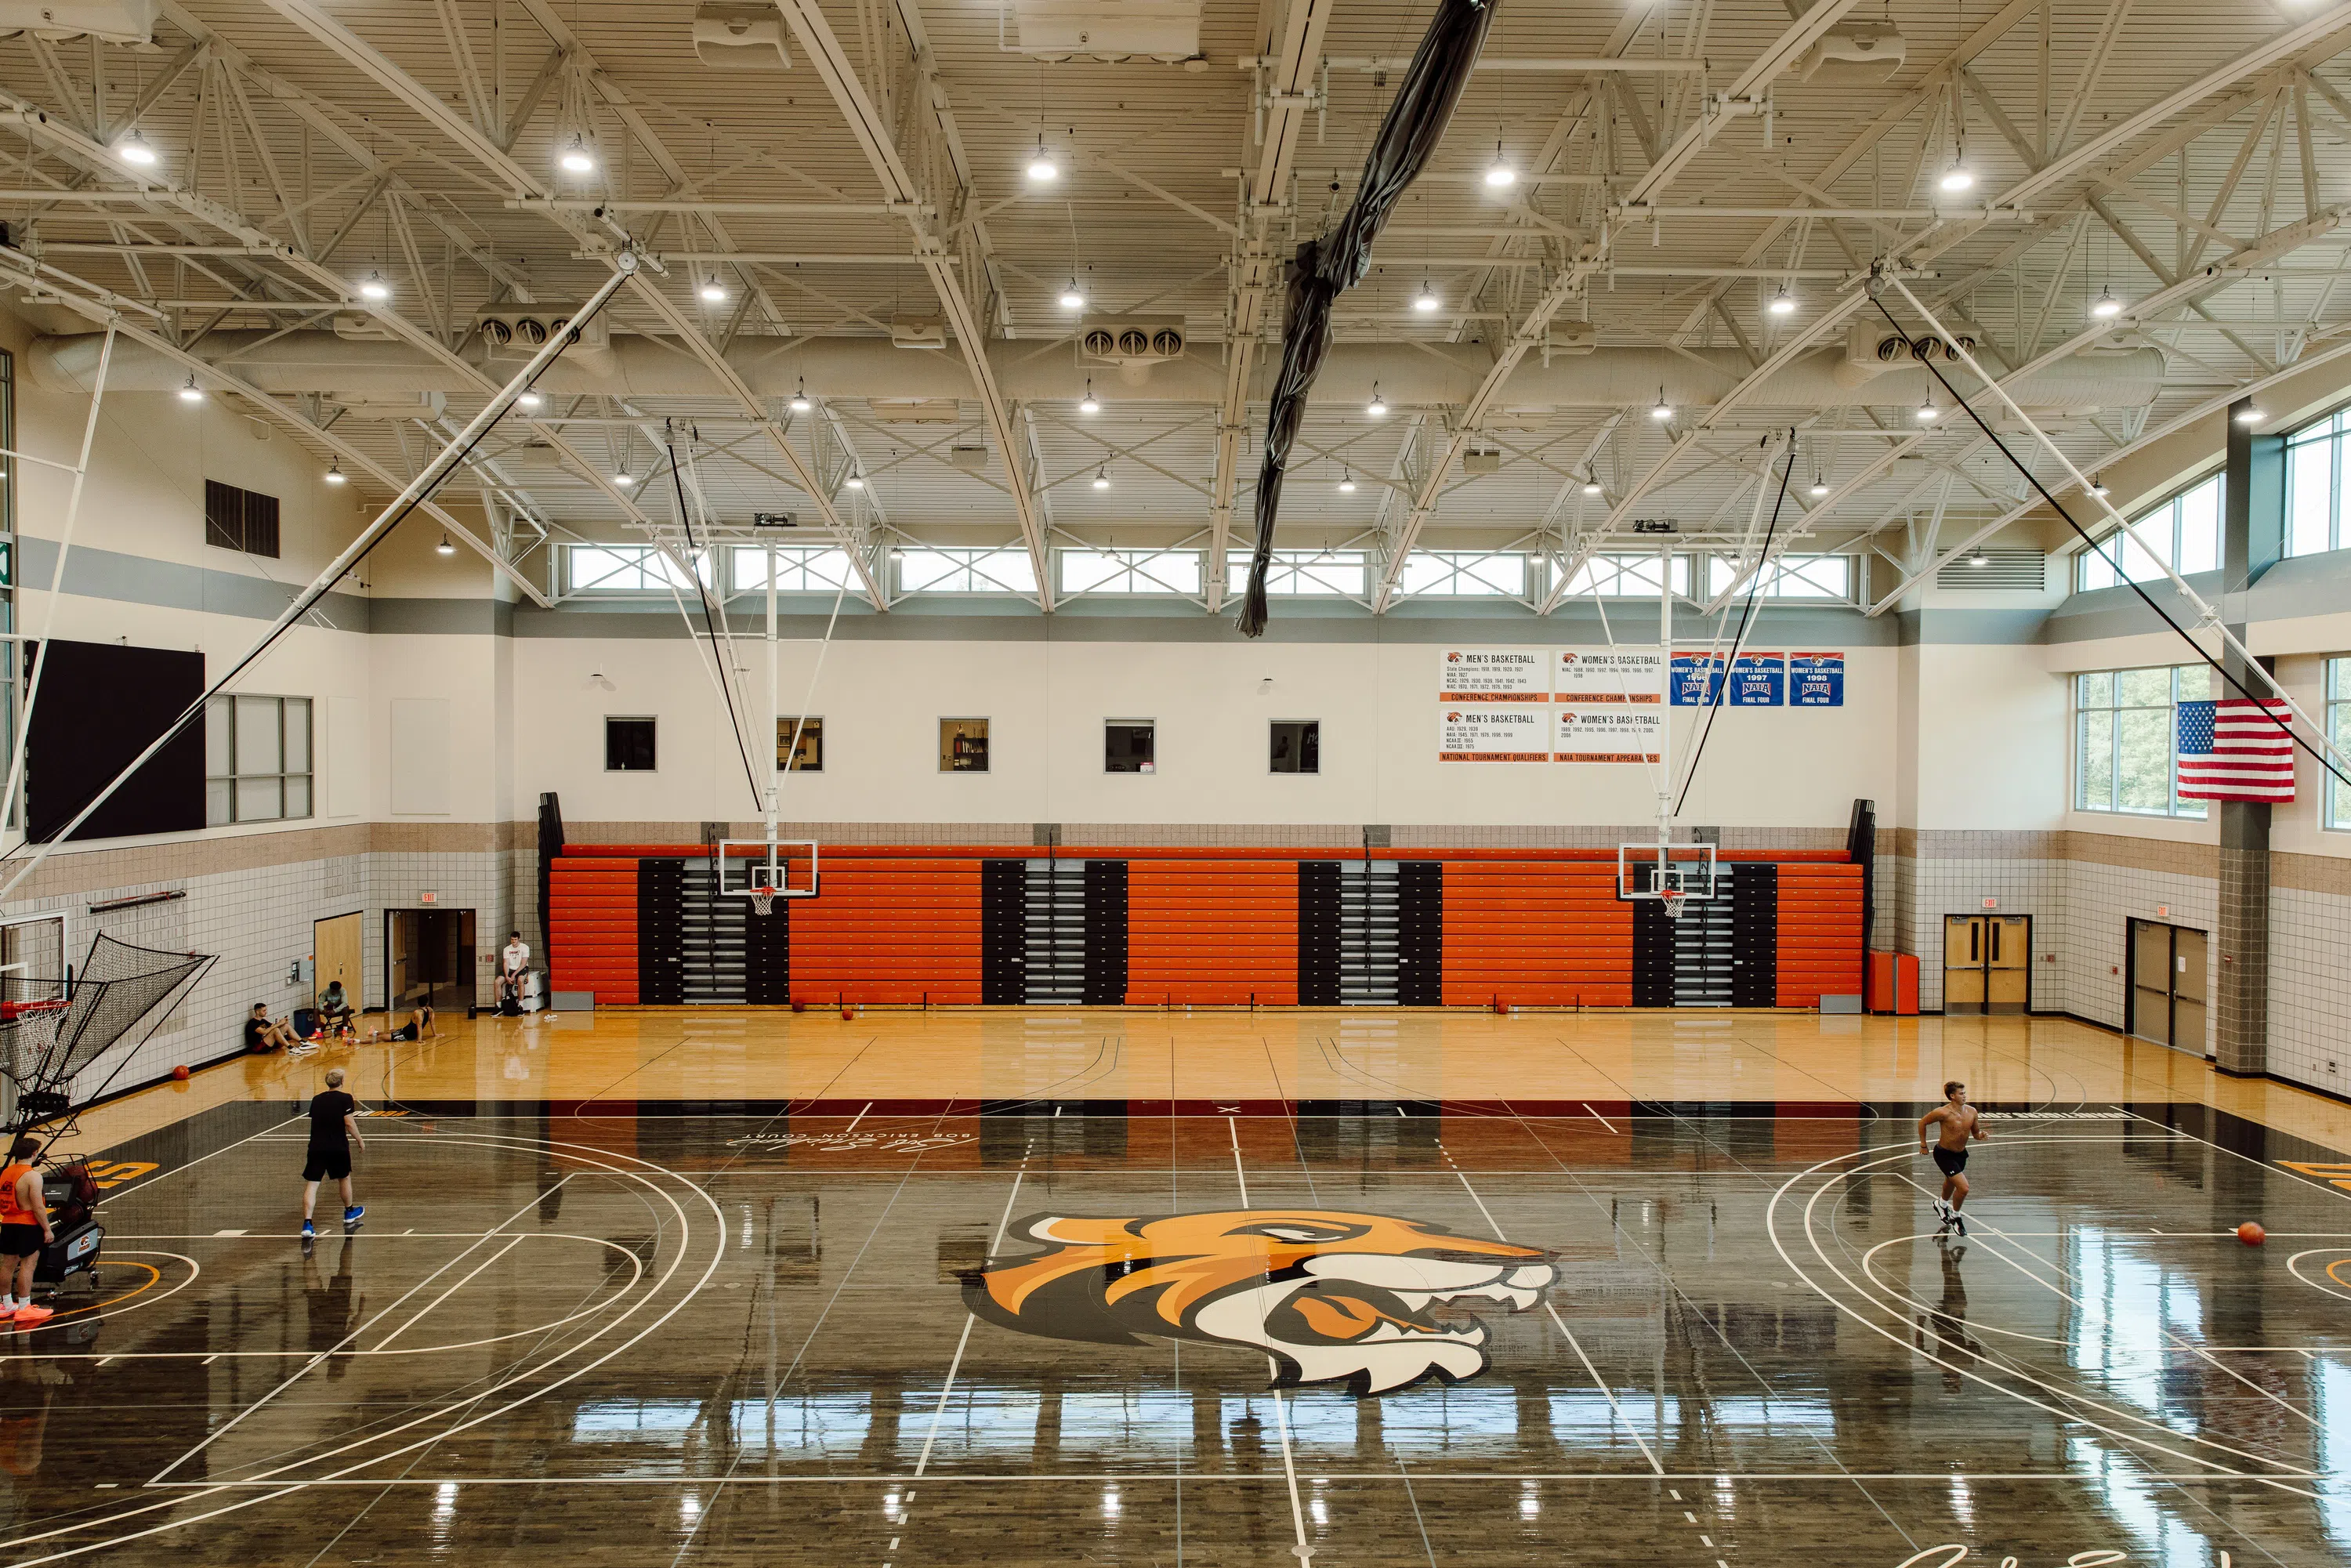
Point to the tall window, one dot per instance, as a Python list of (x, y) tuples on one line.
[(256, 759), (2186, 529), (2314, 485), (2126, 738), (2338, 730)]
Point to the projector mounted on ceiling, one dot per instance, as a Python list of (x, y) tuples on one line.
[(1853, 54), (729, 36)]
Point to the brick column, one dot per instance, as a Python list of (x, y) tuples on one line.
[(2251, 539)]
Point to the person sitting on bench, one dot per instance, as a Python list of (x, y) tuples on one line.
[(334, 1007), (261, 1034)]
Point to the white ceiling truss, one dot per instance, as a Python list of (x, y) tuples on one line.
[(1678, 167)]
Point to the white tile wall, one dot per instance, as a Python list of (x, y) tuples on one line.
[(2310, 987)]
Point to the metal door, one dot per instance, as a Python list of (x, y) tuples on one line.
[(2007, 963), (2150, 976), (2189, 1028)]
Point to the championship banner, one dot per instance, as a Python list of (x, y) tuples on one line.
[(1758, 680), (1499, 732), (1609, 732), (1494, 676), (1816, 680), (1608, 675), (1697, 679)]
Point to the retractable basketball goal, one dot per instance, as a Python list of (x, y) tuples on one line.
[(1668, 873), (765, 870)]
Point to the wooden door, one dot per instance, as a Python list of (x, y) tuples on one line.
[(2007, 963), (2189, 1028), (2150, 979), (1964, 940), (335, 954)]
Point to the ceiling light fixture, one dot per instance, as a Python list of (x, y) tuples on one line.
[(2106, 306), (2250, 416), (713, 291), (801, 404), (374, 287), (1426, 299), (1819, 485), (528, 399), (1979, 560), (1591, 485), (134, 149), (577, 158), (1041, 167), (1956, 178), (1501, 175), (335, 474), (445, 547), (1782, 303), (192, 393), (1089, 403), (2098, 487), (1101, 479), (1927, 413), (855, 481), (624, 479), (1072, 296), (1378, 407), (1346, 482), (1663, 410)]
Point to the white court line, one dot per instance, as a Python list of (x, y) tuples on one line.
[(421, 1312), (1597, 1116), (1577, 1345), (1771, 1225), (861, 1116), (1123, 1477), (584, 1154), (1290, 1473), (1233, 1130), (296, 1376)]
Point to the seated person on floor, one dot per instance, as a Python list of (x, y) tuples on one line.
[(418, 1027), (261, 1034), (334, 1007)]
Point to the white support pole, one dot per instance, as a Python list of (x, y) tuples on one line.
[(1666, 737), (775, 701), (2206, 615), (11, 797), (443, 463)]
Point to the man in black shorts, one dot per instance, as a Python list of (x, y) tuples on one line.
[(1955, 1123), (334, 1128), (260, 1034)]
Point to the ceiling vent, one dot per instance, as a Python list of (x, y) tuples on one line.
[(915, 409), (1167, 30), (1132, 340), (970, 459), (1853, 54), (730, 36), (918, 335), (518, 331), (1996, 570), (108, 21), (1481, 460)]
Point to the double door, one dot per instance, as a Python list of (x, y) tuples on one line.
[(1986, 962), (2167, 999)]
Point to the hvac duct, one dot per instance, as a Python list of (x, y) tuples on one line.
[(1408, 374)]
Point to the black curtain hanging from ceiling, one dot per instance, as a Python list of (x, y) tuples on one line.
[(1322, 269)]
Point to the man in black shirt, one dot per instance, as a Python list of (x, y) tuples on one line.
[(334, 1128), (260, 1034)]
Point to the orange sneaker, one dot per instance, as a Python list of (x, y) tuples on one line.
[(32, 1317)]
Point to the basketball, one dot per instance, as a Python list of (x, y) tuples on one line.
[(847, 1009), (2251, 1234), (180, 1073)]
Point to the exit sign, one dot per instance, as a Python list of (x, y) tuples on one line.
[(1992, 904), (428, 898)]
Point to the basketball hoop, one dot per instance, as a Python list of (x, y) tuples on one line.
[(762, 900), (1672, 900)]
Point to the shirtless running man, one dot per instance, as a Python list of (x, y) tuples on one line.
[(1955, 1123)]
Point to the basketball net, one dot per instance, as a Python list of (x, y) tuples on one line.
[(1673, 902), (762, 900)]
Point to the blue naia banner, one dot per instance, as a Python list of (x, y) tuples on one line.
[(1697, 679), (1816, 680), (1758, 680)]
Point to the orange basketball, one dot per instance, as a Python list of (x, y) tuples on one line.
[(180, 1073), (2251, 1234), (848, 1010)]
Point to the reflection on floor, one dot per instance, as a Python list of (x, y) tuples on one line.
[(703, 1287)]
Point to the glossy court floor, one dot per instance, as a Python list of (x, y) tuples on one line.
[(721, 1286)]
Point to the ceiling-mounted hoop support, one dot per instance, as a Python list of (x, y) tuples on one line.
[(762, 870), (1671, 874)]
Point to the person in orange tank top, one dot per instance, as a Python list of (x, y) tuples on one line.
[(24, 1231)]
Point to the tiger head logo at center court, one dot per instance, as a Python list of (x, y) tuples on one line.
[(1332, 1297)]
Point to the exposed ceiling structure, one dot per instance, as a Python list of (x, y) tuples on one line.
[(860, 307)]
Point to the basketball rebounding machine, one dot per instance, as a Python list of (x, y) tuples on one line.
[(52, 1034)]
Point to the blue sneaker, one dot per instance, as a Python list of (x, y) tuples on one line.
[(353, 1215), (308, 1231)]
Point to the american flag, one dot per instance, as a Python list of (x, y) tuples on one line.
[(2235, 749)]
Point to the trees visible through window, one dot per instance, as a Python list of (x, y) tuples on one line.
[(2126, 738), (2184, 530)]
